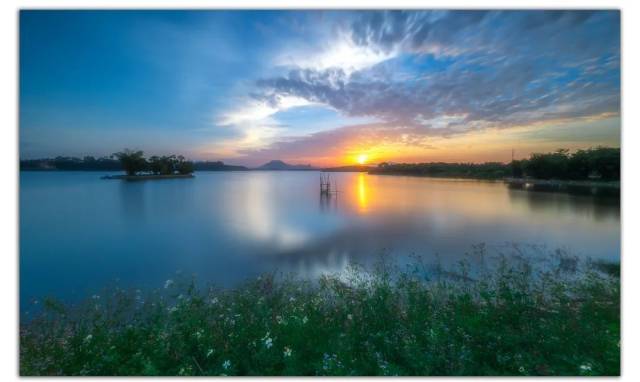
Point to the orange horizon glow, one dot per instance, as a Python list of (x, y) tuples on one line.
[(490, 145)]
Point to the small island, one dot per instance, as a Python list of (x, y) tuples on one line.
[(137, 167)]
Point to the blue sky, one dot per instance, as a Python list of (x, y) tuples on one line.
[(318, 87)]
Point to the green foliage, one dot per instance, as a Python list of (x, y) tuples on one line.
[(489, 170), (512, 320), (599, 162), (132, 161), (517, 170), (184, 166), (164, 165)]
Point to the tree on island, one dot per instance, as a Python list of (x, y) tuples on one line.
[(132, 161), (167, 165), (184, 166)]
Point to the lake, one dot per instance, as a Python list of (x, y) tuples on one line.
[(79, 233)]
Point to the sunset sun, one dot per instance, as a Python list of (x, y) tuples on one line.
[(362, 158)]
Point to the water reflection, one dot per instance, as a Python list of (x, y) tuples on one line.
[(599, 208), (328, 202), (265, 221), (225, 227), (362, 193), (132, 198)]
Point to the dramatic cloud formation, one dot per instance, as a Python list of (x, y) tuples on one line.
[(320, 87), (469, 70)]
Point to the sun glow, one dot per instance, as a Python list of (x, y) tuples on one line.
[(362, 158)]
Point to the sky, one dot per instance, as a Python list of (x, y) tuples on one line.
[(318, 87)]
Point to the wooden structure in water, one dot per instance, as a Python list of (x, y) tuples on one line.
[(325, 185)]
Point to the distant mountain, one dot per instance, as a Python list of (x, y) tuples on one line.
[(279, 165), (216, 166)]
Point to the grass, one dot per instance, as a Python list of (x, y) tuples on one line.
[(512, 319)]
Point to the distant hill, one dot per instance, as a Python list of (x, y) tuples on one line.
[(353, 168), (279, 165), (216, 166)]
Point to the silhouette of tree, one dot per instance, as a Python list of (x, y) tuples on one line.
[(132, 161)]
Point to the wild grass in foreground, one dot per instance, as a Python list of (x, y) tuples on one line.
[(512, 320)]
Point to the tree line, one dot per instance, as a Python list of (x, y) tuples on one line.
[(599, 163), (595, 163), (88, 163), (109, 163), (133, 162)]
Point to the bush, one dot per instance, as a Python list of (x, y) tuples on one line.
[(601, 162), (511, 320), (132, 161)]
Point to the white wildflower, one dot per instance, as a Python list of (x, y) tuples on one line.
[(226, 365), (586, 367), (521, 369), (214, 301), (305, 320), (168, 284), (268, 342), (287, 351), (88, 339)]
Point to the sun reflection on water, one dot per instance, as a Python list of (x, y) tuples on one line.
[(362, 193)]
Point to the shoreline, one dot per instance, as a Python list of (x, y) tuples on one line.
[(559, 183), (564, 183)]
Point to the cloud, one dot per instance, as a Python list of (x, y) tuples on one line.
[(496, 69), (428, 74), (343, 54), (255, 110), (323, 148)]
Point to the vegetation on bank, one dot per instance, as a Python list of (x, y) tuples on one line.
[(515, 318), (489, 170), (90, 163), (350, 168), (600, 163)]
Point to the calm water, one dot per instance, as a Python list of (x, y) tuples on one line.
[(79, 233)]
